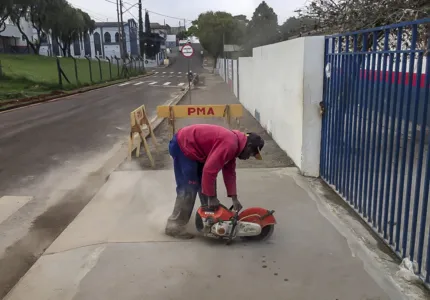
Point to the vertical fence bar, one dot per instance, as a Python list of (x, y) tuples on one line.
[(76, 70), (405, 142), (60, 78), (411, 159), (397, 122), (337, 77), (426, 186), (339, 114), (375, 137), (362, 126), (91, 71), (100, 68), (110, 67), (386, 171), (348, 118), (345, 111), (369, 129), (355, 108), (324, 133), (397, 147), (331, 110), (381, 135)]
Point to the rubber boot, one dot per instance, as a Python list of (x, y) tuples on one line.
[(177, 222)]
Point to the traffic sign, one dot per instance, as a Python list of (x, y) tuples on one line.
[(187, 51)]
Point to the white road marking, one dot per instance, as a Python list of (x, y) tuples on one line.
[(172, 72), (179, 72), (139, 83), (122, 84), (167, 83), (164, 72), (156, 72), (181, 84), (152, 83)]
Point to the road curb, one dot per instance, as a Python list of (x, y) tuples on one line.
[(72, 93)]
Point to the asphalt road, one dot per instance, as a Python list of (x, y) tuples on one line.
[(59, 154)]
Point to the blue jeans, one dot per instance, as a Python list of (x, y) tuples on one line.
[(188, 172), (188, 176)]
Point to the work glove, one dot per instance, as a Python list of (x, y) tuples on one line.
[(213, 201), (237, 206)]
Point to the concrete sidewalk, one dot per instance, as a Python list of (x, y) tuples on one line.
[(116, 247)]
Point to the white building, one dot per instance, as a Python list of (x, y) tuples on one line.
[(11, 39)]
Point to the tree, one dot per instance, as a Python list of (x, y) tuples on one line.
[(183, 35), (74, 25), (263, 27), (151, 41), (296, 26), (349, 15), (216, 28), (5, 8)]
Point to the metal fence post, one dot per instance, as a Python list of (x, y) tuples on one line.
[(76, 70), (117, 64), (60, 79), (1, 70), (100, 68), (110, 67), (91, 71)]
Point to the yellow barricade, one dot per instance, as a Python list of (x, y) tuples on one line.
[(139, 119), (226, 111)]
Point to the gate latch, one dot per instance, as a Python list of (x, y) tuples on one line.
[(322, 108)]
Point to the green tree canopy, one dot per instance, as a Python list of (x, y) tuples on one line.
[(216, 28), (263, 28)]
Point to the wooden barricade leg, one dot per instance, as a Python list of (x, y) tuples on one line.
[(139, 144), (172, 120), (151, 131), (227, 115), (146, 146), (130, 145)]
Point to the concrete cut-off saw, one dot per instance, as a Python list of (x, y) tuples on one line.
[(220, 222)]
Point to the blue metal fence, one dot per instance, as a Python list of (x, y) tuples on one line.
[(376, 132)]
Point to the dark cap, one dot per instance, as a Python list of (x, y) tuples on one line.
[(256, 143)]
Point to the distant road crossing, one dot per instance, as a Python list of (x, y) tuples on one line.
[(166, 79)]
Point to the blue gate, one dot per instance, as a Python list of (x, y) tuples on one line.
[(375, 132)]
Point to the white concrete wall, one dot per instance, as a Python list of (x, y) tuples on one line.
[(282, 84)]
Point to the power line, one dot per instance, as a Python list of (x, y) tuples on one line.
[(92, 13), (153, 12)]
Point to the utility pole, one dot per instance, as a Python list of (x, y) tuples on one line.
[(140, 29), (185, 28), (121, 52), (223, 54), (122, 30)]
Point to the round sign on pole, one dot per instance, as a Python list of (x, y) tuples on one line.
[(187, 51)]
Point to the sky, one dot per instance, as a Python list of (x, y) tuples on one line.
[(177, 10)]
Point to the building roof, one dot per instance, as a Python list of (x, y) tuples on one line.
[(107, 24), (113, 24), (159, 26)]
